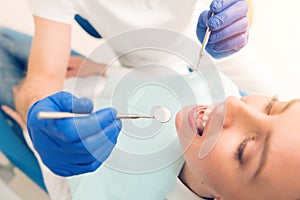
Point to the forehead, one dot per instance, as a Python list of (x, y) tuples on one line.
[(286, 124), (283, 157)]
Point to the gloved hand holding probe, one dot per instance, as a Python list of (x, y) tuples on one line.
[(228, 25), (73, 145)]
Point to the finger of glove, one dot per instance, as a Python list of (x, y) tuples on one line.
[(202, 24), (236, 28), (217, 6), (82, 105), (224, 54), (55, 157), (61, 101), (226, 51), (234, 43), (65, 169), (103, 155), (228, 16), (78, 128), (81, 168), (99, 146), (98, 141), (69, 103), (103, 140)]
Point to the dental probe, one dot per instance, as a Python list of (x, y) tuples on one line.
[(161, 114), (204, 43), (61, 115)]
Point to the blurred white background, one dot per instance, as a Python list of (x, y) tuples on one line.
[(274, 38)]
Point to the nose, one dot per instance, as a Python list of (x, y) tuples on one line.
[(239, 112)]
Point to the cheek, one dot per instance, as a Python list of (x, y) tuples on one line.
[(284, 157), (190, 143), (207, 170), (219, 166), (213, 168), (196, 165)]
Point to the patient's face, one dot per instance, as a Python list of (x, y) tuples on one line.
[(257, 155)]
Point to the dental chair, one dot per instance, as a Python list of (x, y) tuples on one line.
[(15, 148)]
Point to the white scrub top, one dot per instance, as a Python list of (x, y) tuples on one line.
[(112, 17)]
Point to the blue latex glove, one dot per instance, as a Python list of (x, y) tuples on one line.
[(72, 146), (229, 27)]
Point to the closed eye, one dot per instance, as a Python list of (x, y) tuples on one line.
[(270, 104), (241, 148)]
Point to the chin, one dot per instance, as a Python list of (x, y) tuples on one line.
[(178, 120)]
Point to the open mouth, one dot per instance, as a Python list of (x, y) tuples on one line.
[(199, 118)]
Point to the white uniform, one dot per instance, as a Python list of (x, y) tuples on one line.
[(111, 17)]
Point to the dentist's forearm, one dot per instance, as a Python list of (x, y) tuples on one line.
[(48, 62), (32, 91)]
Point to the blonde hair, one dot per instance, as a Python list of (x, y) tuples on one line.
[(250, 11)]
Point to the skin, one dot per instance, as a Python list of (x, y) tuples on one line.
[(75, 67), (221, 175), (14, 115), (51, 40)]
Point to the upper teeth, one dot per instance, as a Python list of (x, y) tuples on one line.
[(206, 115)]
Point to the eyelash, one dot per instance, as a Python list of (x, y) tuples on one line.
[(271, 103), (242, 146)]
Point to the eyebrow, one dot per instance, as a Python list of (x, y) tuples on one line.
[(263, 157), (289, 104)]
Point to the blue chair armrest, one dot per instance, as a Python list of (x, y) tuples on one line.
[(19, 153)]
